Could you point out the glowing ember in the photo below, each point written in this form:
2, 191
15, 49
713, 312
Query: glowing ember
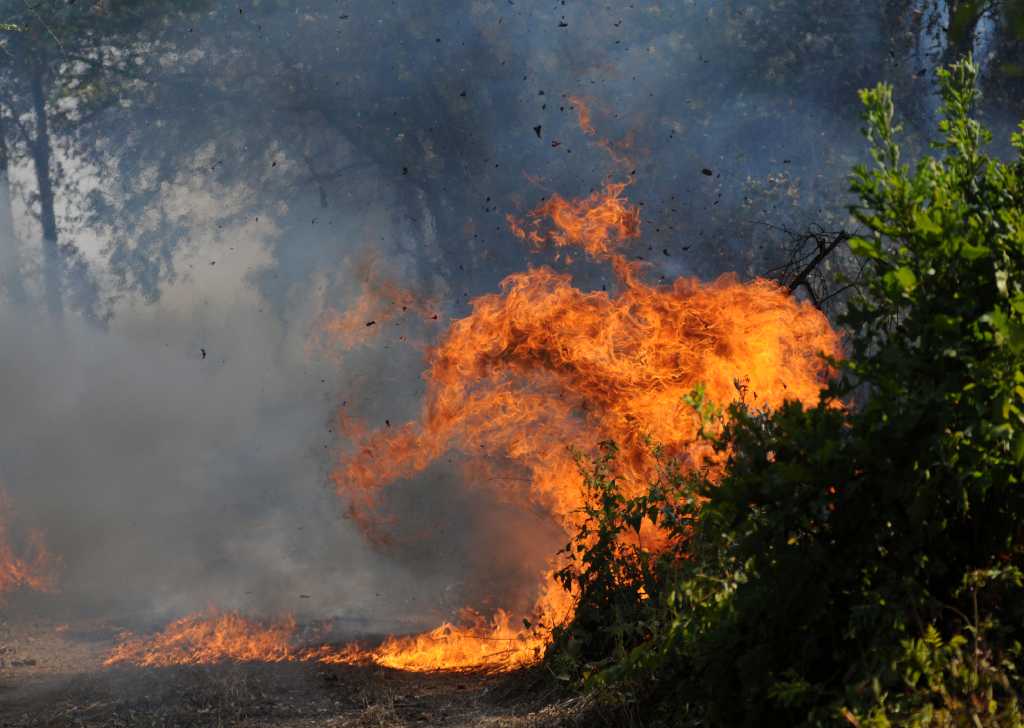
35, 568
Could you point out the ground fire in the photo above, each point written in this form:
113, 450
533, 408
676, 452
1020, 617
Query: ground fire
532, 371
30, 567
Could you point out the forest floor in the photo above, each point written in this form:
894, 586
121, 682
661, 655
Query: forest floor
53, 675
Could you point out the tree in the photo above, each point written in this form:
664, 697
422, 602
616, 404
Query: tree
63, 63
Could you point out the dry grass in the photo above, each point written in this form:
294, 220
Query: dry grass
54, 677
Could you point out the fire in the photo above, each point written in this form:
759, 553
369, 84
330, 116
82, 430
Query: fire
536, 371
543, 365
35, 568
583, 115
598, 223
381, 301
214, 637
209, 638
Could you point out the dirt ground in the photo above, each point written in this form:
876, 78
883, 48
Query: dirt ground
52, 675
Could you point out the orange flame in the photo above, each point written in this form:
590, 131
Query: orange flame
382, 300
35, 569
583, 115
543, 365
205, 639
533, 370
597, 223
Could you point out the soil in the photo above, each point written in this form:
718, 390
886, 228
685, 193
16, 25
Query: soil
53, 675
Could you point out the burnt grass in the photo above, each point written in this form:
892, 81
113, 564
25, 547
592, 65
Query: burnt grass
52, 675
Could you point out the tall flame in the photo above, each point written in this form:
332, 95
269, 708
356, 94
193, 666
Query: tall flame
543, 365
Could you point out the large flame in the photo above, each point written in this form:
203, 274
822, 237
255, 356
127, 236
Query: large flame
532, 371
31, 567
542, 366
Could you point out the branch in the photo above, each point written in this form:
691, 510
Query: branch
823, 252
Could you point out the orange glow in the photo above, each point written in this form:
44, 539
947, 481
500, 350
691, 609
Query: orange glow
381, 301
35, 568
583, 115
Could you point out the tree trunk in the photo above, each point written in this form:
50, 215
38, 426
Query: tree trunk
10, 266
47, 215
963, 22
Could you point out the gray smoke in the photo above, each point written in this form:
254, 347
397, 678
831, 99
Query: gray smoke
224, 217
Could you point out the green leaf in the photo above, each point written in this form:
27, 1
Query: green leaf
865, 248
973, 252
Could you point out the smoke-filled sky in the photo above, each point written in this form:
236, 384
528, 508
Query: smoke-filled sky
280, 159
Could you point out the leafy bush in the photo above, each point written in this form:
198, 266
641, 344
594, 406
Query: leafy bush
856, 564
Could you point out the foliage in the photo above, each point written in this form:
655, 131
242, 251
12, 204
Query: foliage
858, 562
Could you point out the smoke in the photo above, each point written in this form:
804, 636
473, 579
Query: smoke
170, 480
177, 461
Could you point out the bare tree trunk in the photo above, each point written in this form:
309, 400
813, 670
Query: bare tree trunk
963, 22
47, 215
10, 264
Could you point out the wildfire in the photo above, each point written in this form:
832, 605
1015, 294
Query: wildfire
534, 370
213, 637
598, 223
35, 568
543, 365
209, 638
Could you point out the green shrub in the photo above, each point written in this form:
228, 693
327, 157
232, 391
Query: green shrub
856, 564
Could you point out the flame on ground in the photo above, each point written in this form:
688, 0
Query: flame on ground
209, 638
32, 567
